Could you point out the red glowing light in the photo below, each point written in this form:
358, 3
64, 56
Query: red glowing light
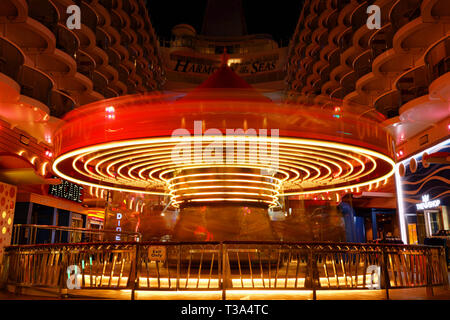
139, 142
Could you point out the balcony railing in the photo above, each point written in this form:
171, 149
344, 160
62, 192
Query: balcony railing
113, 57
88, 16
109, 4
266, 77
109, 93
381, 40
131, 86
33, 234
403, 12
208, 46
127, 7
123, 73
224, 266
389, 104
362, 65
100, 83
437, 59
11, 59
413, 84
103, 40
85, 64
66, 40
60, 104
116, 21
35, 84
44, 12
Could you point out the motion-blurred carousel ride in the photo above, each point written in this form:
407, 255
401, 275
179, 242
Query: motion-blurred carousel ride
222, 157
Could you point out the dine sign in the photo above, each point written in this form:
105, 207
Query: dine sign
157, 253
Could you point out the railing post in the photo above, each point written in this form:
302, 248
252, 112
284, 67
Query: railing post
429, 289
386, 280
62, 273
224, 271
443, 264
134, 270
311, 274
178, 266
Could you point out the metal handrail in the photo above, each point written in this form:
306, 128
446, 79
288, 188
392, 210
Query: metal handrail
32, 229
222, 266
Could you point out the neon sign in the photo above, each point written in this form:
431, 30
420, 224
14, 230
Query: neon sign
119, 228
427, 204
67, 190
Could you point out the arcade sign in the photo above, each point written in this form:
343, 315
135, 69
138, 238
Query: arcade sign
66, 190
427, 204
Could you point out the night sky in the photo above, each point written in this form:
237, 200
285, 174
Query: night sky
277, 18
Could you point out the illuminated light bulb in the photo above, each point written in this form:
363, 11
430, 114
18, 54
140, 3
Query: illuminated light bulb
44, 170
131, 203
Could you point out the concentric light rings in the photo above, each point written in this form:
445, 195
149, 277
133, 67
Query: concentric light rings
304, 166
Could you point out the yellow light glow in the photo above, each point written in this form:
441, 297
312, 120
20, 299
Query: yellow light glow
233, 61
44, 167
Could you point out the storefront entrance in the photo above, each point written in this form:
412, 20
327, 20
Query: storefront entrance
429, 222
